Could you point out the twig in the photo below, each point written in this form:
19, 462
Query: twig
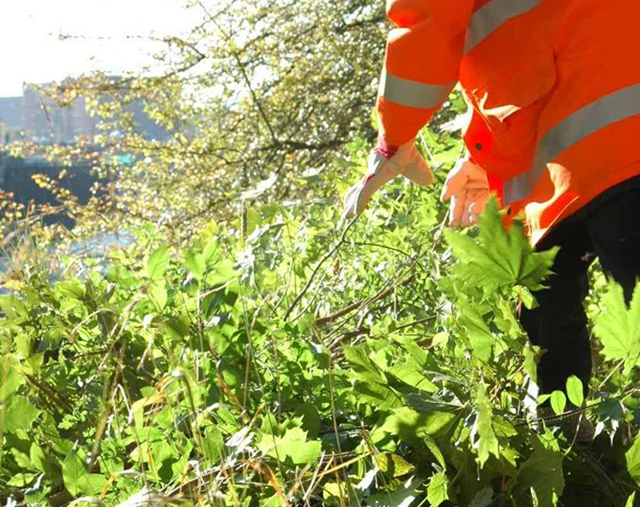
324, 259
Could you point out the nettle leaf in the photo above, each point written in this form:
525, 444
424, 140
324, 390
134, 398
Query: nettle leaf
437, 491
633, 460
618, 327
498, 258
158, 263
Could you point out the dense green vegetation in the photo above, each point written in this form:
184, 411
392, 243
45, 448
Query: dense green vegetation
250, 349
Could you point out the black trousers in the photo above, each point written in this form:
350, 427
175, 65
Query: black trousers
607, 228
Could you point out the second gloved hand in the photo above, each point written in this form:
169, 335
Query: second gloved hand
406, 161
468, 189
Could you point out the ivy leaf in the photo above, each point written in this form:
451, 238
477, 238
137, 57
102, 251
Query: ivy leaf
158, 263
498, 258
575, 391
618, 328
437, 491
633, 460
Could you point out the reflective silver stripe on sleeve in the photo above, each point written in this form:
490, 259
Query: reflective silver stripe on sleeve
491, 16
612, 108
412, 93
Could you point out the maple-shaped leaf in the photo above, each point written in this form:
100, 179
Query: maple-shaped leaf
498, 258
483, 434
618, 326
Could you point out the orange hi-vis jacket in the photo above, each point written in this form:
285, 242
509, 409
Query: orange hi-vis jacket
554, 87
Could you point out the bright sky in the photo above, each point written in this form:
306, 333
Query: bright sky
31, 51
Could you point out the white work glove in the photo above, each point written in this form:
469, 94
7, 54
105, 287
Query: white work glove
407, 162
468, 188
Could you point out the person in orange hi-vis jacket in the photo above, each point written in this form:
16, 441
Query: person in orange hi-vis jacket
554, 91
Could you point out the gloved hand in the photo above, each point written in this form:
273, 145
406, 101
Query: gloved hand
468, 188
406, 161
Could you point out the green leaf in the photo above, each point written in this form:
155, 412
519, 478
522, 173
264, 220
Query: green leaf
437, 491
558, 402
498, 258
76, 478
633, 460
71, 289
402, 497
36, 456
618, 328
158, 263
393, 465
480, 337
22, 480
20, 414
158, 294
482, 498
196, 264
10, 378
487, 442
371, 383
311, 421
73, 473
631, 500
542, 472
292, 447
213, 444
575, 391
413, 426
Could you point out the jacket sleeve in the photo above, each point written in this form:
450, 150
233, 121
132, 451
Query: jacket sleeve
421, 63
